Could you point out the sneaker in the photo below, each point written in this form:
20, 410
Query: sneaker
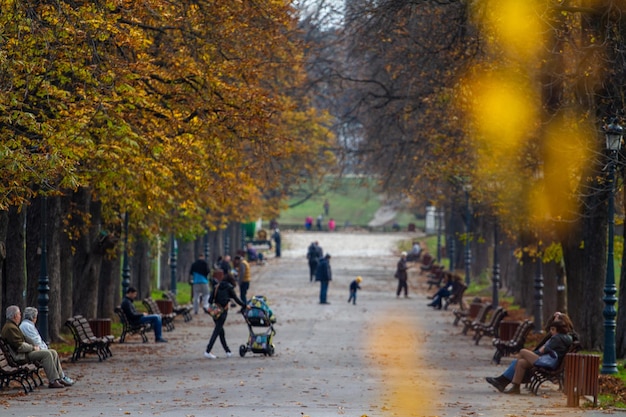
209, 355
67, 381
160, 340
229, 354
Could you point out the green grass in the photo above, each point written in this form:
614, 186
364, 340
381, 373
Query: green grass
351, 200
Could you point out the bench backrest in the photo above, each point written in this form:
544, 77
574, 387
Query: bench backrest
497, 317
481, 317
122, 317
151, 305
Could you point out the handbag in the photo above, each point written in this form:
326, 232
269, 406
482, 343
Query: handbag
548, 360
215, 310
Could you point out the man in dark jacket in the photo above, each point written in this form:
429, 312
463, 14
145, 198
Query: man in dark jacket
199, 276
324, 275
135, 317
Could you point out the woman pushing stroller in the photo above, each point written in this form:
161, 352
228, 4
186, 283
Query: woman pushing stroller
223, 292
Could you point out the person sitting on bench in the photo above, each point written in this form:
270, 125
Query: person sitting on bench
451, 286
134, 317
24, 352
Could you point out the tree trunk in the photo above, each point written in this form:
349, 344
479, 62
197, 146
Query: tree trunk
4, 227
56, 297
140, 265
620, 331
66, 260
110, 287
88, 256
585, 268
15, 267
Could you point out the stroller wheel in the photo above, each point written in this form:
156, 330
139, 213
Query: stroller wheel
242, 350
271, 350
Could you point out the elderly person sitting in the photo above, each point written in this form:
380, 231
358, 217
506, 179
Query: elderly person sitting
32, 336
23, 351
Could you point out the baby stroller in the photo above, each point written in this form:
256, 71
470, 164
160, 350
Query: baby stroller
260, 316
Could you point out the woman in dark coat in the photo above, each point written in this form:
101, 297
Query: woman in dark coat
223, 292
402, 276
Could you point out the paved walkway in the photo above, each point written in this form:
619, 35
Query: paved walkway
382, 357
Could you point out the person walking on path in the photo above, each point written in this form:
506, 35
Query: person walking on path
354, 287
402, 276
276, 237
314, 254
134, 317
199, 273
324, 275
243, 277
23, 351
223, 292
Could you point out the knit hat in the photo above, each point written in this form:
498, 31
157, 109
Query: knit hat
359, 279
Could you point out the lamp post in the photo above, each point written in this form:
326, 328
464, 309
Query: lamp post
173, 263
125, 267
538, 319
451, 240
495, 278
44, 288
613, 134
439, 224
468, 252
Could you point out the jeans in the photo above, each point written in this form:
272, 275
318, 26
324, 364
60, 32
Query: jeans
510, 371
243, 291
323, 291
352, 297
219, 331
155, 321
200, 290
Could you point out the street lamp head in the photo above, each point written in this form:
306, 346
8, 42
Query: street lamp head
467, 187
613, 133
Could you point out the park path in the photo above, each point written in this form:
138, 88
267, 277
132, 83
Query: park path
383, 357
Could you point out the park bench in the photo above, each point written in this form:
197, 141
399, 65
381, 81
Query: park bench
85, 341
427, 262
455, 298
182, 310
492, 328
513, 345
480, 318
436, 276
128, 328
27, 374
153, 308
462, 313
536, 376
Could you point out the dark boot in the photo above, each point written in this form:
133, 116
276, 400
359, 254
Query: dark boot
499, 383
513, 390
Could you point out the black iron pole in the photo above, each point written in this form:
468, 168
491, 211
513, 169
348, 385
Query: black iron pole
125, 267
173, 263
496, 267
609, 364
538, 292
44, 288
468, 250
